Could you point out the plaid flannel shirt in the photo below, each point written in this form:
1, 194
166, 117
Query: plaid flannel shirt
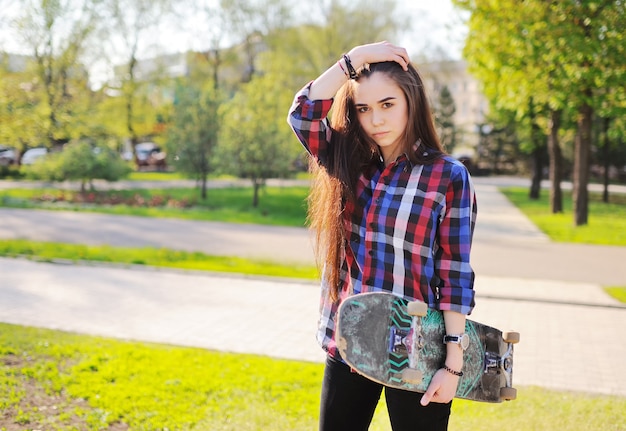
409, 231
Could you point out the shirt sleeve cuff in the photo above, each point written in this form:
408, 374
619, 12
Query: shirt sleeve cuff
313, 109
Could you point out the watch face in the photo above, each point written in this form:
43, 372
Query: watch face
465, 341
462, 340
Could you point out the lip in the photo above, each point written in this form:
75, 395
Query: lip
379, 134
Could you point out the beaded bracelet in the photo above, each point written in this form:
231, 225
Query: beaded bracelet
451, 371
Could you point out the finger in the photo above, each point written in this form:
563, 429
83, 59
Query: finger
428, 395
402, 58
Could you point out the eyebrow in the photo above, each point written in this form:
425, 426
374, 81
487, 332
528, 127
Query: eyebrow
386, 99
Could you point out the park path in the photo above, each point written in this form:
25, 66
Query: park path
570, 329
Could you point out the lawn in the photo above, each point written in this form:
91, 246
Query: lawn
607, 221
161, 257
56, 380
281, 206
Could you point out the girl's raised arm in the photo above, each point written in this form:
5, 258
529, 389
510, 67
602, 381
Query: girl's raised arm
329, 82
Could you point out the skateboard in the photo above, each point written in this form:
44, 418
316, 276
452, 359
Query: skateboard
399, 343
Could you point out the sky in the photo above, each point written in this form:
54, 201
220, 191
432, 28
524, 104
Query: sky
438, 19
439, 24
434, 26
444, 26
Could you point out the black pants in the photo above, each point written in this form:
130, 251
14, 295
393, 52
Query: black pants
349, 400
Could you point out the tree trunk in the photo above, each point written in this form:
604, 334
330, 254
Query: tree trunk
536, 156
537, 173
607, 162
556, 163
216, 67
255, 198
582, 148
204, 186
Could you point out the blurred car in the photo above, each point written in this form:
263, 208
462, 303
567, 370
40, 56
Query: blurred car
7, 155
149, 154
31, 156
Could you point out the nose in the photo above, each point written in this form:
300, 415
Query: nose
377, 117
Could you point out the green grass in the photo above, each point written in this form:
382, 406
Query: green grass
155, 176
62, 381
153, 257
607, 221
147, 386
281, 206
617, 292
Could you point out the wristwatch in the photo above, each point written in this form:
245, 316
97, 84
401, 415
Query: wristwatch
462, 340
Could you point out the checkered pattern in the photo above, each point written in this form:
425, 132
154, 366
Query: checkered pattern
410, 230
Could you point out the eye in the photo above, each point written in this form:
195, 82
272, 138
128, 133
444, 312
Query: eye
387, 105
362, 109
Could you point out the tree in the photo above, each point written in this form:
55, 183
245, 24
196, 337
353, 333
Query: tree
192, 136
561, 54
81, 161
256, 142
497, 46
19, 108
216, 29
135, 22
56, 33
444, 114
336, 29
251, 23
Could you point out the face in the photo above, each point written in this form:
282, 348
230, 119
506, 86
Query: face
382, 112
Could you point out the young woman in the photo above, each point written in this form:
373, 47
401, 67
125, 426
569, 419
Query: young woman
392, 212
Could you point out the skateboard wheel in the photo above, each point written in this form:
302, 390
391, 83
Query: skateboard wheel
508, 394
510, 337
417, 308
412, 376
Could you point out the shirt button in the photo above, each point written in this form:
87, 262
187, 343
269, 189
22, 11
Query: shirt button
371, 252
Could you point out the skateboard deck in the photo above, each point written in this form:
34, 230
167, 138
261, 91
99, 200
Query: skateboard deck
379, 339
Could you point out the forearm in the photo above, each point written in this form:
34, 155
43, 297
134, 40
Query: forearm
329, 82
455, 325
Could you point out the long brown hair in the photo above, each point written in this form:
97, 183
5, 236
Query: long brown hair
351, 151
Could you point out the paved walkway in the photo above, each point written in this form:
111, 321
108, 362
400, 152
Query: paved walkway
571, 332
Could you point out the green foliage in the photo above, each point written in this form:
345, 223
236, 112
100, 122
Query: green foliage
444, 115
256, 142
82, 162
192, 136
565, 57
60, 80
608, 226
22, 124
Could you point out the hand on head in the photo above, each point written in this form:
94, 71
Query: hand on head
379, 52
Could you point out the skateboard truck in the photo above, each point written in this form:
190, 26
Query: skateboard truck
504, 364
410, 341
